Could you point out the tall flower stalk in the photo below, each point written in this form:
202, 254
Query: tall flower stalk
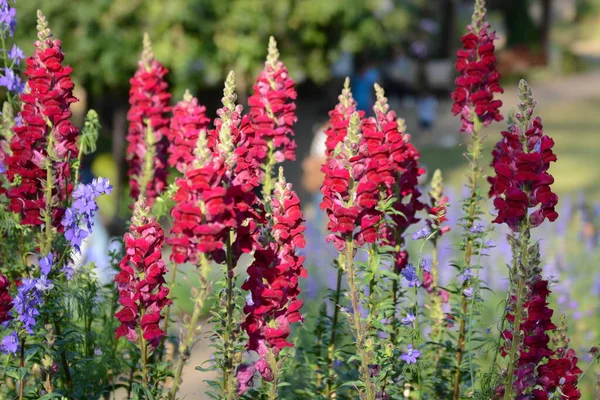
524, 200
343, 201
142, 288
148, 127
272, 114
44, 145
474, 101
339, 119
273, 282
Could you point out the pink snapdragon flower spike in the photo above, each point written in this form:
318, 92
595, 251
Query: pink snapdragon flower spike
141, 283
272, 107
148, 127
478, 79
273, 278
45, 138
189, 118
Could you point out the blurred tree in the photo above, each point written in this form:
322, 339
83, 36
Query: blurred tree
200, 40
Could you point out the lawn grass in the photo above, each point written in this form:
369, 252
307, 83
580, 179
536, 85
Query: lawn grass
575, 128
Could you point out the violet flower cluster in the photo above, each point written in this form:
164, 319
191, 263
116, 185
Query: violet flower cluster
8, 21
30, 293
79, 218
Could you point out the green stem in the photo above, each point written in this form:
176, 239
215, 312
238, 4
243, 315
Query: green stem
358, 325
172, 281
144, 353
332, 339
229, 339
22, 365
474, 200
185, 347
521, 276
268, 172
470, 331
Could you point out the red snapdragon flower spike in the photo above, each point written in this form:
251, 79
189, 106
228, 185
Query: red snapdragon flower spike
149, 107
397, 167
339, 118
141, 283
533, 376
273, 277
202, 215
5, 299
45, 136
272, 107
521, 160
478, 77
189, 118
216, 192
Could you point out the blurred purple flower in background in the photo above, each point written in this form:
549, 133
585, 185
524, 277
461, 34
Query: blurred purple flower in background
16, 54
8, 17
408, 319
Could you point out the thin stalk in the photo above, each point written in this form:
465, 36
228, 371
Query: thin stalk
172, 280
358, 326
22, 364
63, 359
470, 331
274, 365
144, 353
186, 346
474, 178
333, 337
523, 256
228, 339
268, 171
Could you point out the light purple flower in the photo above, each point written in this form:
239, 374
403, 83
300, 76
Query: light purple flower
78, 220
411, 355
466, 275
46, 264
11, 81
8, 17
408, 319
410, 274
468, 292
2, 168
422, 233
10, 343
26, 301
16, 54
477, 228
596, 286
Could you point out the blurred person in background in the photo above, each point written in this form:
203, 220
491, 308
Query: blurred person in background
366, 74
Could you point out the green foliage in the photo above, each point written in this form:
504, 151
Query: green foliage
200, 40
